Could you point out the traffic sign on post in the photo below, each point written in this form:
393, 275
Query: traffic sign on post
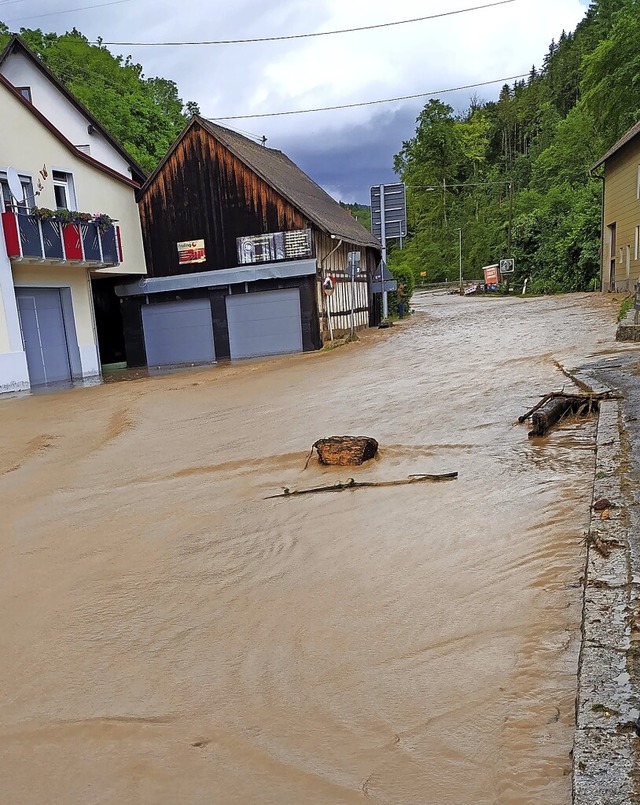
389, 211
388, 220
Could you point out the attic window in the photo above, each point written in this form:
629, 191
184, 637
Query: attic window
25, 92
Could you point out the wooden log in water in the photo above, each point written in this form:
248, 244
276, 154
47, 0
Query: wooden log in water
551, 412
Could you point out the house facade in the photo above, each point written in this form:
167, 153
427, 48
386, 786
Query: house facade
246, 256
51, 258
620, 264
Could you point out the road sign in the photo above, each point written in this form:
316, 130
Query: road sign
389, 211
353, 263
383, 280
507, 266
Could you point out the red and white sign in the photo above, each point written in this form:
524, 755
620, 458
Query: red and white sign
191, 251
491, 275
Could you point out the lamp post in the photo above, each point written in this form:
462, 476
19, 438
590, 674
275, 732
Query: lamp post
460, 255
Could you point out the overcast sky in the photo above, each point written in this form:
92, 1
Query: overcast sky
347, 150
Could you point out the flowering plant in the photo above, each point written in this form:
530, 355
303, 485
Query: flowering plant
64, 216
102, 221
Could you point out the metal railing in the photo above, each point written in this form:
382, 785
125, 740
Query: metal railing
31, 238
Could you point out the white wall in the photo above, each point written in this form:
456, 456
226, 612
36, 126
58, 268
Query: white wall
27, 145
14, 375
48, 99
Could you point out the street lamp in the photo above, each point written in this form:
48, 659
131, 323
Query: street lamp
460, 255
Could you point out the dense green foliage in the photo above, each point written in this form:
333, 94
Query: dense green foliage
360, 212
144, 114
514, 174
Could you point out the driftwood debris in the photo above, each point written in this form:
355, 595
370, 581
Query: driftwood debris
557, 405
345, 450
351, 483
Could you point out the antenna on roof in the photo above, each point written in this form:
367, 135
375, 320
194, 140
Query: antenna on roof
15, 185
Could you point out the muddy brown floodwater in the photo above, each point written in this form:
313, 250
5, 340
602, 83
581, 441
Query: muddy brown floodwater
169, 636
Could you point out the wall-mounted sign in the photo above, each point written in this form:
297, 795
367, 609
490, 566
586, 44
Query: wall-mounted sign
507, 266
191, 251
275, 246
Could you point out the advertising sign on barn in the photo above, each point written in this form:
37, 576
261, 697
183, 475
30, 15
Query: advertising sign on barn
291, 245
191, 251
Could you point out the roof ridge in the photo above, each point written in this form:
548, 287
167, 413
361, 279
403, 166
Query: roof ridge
16, 40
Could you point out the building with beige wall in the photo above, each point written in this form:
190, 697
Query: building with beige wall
50, 256
620, 267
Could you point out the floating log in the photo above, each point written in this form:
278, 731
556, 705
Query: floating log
556, 408
351, 483
346, 450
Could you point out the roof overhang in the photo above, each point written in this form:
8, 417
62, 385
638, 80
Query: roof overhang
220, 278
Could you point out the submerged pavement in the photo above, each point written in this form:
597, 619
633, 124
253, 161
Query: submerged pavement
607, 746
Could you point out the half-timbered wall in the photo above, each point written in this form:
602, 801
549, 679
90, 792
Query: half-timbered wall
332, 261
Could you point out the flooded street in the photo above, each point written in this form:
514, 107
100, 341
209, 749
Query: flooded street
169, 636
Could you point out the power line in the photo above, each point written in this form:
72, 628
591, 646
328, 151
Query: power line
67, 11
308, 36
372, 103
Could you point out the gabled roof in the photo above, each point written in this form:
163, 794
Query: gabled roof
287, 179
4, 83
16, 44
626, 138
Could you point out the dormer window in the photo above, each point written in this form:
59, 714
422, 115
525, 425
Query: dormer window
25, 92
64, 190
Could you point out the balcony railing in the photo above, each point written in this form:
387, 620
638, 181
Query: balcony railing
31, 239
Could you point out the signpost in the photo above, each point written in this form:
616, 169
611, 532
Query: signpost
388, 220
353, 268
507, 266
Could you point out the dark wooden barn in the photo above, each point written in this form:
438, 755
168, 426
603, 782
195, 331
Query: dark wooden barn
246, 256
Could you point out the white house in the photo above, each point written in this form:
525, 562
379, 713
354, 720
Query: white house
55, 157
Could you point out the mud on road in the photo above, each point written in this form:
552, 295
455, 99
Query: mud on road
170, 636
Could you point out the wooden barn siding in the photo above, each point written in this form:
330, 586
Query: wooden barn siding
132, 314
203, 191
622, 207
335, 264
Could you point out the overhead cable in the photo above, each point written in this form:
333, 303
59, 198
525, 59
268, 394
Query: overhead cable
66, 11
371, 103
309, 35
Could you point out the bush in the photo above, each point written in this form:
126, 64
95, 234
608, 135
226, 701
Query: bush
402, 274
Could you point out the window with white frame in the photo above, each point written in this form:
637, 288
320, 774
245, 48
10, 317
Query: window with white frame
8, 203
64, 190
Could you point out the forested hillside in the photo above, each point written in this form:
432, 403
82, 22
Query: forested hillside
541, 137
144, 114
512, 174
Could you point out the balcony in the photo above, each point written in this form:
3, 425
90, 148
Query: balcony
33, 240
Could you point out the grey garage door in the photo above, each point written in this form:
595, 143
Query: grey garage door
178, 332
265, 323
44, 335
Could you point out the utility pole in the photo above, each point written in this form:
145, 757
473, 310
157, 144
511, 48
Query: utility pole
460, 255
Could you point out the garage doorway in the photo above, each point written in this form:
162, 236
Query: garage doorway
265, 323
178, 333
44, 335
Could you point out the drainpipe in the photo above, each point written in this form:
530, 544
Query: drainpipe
322, 269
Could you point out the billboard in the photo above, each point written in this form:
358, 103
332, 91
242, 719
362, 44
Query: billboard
491, 274
273, 246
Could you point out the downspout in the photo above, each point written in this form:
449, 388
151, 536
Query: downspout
602, 247
322, 270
